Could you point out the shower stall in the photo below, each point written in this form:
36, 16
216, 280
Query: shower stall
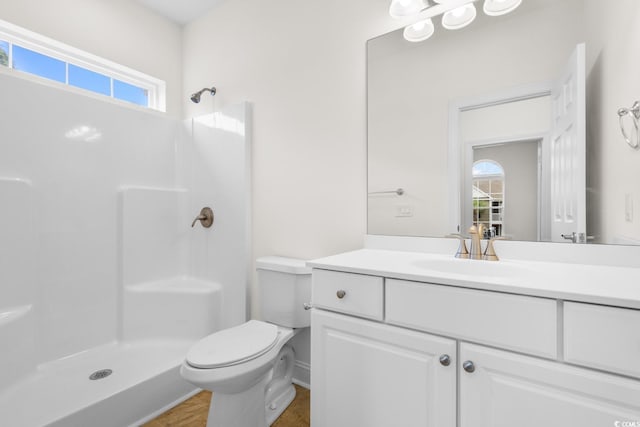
104, 284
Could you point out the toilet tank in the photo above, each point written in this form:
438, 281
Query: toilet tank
285, 285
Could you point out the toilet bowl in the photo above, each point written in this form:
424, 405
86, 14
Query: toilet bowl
249, 368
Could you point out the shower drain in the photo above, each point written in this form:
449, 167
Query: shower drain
102, 373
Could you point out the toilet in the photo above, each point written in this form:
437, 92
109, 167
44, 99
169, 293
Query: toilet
249, 367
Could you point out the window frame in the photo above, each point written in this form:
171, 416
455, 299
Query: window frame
15, 35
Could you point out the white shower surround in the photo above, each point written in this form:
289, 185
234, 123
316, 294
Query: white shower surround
99, 267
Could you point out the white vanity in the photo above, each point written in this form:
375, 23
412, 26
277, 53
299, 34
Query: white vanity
419, 338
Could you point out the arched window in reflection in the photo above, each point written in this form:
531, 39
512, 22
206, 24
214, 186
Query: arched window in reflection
488, 196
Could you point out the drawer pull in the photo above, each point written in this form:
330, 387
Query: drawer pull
468, 366
340, 294
445, 360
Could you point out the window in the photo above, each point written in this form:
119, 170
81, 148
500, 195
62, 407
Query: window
31, 53
90, 80
131, 93
36, 63
488, 195
4, 53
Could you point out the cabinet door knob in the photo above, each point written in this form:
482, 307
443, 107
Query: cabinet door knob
445, 360
340, 294
469, 366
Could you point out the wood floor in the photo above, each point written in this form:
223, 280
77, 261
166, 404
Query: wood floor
193, 412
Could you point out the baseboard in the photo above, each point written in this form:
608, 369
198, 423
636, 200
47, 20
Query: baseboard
302, 374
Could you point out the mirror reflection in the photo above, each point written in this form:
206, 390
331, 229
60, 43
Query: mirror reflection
468, 125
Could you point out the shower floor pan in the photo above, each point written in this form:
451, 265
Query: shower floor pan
144, 382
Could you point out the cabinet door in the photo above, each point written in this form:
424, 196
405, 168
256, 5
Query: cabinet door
370, 374
507, 390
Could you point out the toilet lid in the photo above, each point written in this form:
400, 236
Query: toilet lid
233, 345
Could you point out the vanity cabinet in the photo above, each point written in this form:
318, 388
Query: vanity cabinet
389, 352
371, 374
507, 389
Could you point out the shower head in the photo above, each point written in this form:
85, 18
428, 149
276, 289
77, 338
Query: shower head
196, 96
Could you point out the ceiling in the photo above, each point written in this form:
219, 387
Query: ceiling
180, 11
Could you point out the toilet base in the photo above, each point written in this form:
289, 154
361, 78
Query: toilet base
280, 391
279, 404
245, 409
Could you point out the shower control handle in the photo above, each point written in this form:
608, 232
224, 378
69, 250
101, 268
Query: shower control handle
341, 294
198, 218
205, 218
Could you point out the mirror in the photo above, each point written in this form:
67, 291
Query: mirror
438, 107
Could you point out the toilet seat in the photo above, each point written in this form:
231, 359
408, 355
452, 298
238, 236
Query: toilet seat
234, 345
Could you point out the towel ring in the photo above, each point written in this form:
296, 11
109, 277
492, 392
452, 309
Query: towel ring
634, 112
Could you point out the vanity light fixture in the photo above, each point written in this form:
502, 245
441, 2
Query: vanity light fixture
500, 7
459, 17
419, 31
404, 8
456, 14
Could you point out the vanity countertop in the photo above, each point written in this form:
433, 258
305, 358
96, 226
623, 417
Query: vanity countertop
598, 284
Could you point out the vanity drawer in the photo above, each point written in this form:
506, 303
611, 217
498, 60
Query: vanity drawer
356, 294
515, 322
602, 337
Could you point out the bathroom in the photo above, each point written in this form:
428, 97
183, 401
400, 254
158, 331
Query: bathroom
298, 74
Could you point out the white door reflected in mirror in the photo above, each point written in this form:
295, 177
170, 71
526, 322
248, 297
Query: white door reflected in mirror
537, 136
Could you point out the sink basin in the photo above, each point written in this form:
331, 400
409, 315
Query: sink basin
472, 268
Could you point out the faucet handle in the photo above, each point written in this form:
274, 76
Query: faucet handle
490, 252
462, 252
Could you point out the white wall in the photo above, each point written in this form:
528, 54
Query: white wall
508, 120
302, 66
122, 31
612, 82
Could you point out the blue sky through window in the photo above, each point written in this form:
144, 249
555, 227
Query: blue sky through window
30, 53
86, 79
45, 66
130, 93
41, 65
487, 168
